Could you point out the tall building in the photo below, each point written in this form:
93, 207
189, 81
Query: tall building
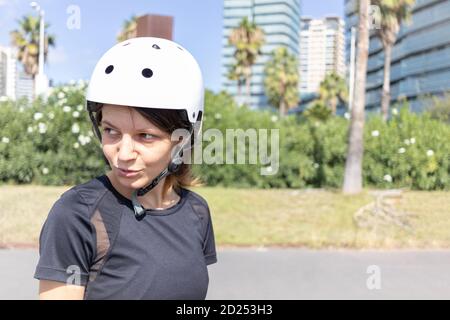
24, 86
280, 21
151, 25
14, 83
3, 70
322, 46
420, 58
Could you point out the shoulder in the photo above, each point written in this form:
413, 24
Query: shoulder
194, 197
78, 202
198, 203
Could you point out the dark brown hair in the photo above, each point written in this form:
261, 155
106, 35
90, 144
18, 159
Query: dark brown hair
167, 120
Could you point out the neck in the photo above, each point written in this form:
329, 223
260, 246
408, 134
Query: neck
157, 198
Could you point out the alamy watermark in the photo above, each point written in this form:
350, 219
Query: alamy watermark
373, 282
236, 146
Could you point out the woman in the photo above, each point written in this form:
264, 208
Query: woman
135, 232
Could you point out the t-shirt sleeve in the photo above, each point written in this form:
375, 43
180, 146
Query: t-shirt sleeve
66, 242
209, 245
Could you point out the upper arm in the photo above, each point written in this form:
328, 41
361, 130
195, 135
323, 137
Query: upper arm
54, 290
66, 246
209, 243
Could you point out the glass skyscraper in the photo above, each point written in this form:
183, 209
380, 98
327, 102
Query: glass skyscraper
420, 58
280, 21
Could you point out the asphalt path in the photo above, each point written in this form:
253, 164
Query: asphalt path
289, 273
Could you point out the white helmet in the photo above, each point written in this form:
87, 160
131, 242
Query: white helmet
148, 72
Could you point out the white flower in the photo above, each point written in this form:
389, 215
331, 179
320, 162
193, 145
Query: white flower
375, 133
406, 141
315, 165
30, 129
67, 109
430, 152
80, 107
412, 140
274, 118
394, 111
269, 169
45, 170
42, 127
61, 95
72, 82
90, 134
401, 150
38, 116
84, 139
347, 115
387, 178
21, 109
51, 115
62, 102
75, 128
75, 114
76, 145
217, 116
5, 139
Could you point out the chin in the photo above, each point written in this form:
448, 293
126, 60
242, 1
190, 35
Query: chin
132, 182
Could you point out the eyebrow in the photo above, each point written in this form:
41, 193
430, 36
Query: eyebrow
115, 127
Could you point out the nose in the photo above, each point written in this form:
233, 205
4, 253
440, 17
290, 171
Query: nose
126, 150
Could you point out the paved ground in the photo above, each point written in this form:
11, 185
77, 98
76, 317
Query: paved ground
288, 274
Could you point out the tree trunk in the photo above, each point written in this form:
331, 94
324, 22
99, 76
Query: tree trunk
247, 85
239, 91
282, 108
33, 77
353, 164
333, 103
386, 93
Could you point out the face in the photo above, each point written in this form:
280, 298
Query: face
132, 142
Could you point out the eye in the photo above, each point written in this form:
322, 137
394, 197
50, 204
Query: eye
148, 136
109, 130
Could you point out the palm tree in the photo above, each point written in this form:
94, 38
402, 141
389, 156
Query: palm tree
392, 15
317, 110
281, 80
353, 164
248, 39
26, 40
333, 88
128, 29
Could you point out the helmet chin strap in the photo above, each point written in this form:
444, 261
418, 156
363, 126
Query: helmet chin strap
139, 211
174, 166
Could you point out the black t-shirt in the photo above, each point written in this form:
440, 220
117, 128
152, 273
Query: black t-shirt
92, 238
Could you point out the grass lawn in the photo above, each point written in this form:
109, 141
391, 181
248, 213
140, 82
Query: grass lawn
312, 218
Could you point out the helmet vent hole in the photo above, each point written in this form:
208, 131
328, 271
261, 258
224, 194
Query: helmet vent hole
126, 44
155, 46
193, 114
180, 48
147, 73
109, 69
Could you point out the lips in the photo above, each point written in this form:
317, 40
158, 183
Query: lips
128, 173
125, 170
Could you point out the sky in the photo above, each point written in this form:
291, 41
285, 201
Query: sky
197, 27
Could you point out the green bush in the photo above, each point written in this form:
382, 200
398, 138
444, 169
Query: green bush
49, 144
53, 144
